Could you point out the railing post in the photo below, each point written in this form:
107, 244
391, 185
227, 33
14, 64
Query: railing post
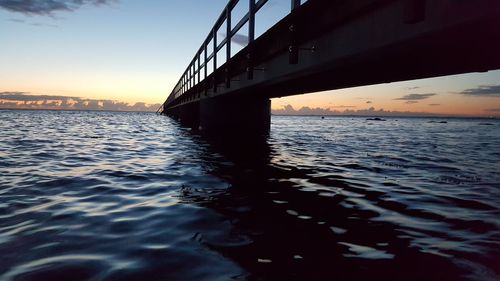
199, 72
199, 67
214, 37
205, 68
251, 21
251, 37
193, 69
228, 34
190, 75
228, 45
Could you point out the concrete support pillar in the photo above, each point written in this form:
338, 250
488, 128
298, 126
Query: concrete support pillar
235, 115
188, 115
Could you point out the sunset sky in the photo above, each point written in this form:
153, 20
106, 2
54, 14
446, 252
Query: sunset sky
129, 51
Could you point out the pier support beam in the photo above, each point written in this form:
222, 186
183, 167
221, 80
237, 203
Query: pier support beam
188, 115
235, 115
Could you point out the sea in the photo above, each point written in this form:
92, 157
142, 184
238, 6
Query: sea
136, 196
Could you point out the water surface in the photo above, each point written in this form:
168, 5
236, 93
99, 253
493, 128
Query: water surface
134, 196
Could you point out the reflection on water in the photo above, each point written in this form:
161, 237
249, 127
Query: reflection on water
132, 196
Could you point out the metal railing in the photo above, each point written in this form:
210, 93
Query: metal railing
193, 75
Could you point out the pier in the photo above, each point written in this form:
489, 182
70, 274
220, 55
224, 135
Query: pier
326, 45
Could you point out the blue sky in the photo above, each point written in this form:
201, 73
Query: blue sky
135, 51
142, 45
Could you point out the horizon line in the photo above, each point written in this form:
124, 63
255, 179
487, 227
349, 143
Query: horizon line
410, 113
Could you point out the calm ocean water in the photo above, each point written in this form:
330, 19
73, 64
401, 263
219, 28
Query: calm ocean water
134, 196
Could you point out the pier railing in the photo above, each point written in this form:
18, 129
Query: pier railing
197, 70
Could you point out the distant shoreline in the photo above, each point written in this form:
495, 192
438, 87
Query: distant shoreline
416, 115
73, 110
391, 116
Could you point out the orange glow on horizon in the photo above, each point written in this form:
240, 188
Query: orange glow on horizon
440, 95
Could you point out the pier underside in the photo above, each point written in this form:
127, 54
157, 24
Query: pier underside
235, 114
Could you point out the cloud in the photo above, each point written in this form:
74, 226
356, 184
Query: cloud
240, 39
483, 91
413, 88
289, 110
434, 104
23, 96
23, 100
21, 21
411, 102
492, 109
47, 7
42, 24
369, 102
414, 97
344, 106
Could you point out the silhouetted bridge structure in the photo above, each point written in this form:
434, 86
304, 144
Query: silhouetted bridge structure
330, 44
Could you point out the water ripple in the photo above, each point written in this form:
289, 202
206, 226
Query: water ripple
133, 196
